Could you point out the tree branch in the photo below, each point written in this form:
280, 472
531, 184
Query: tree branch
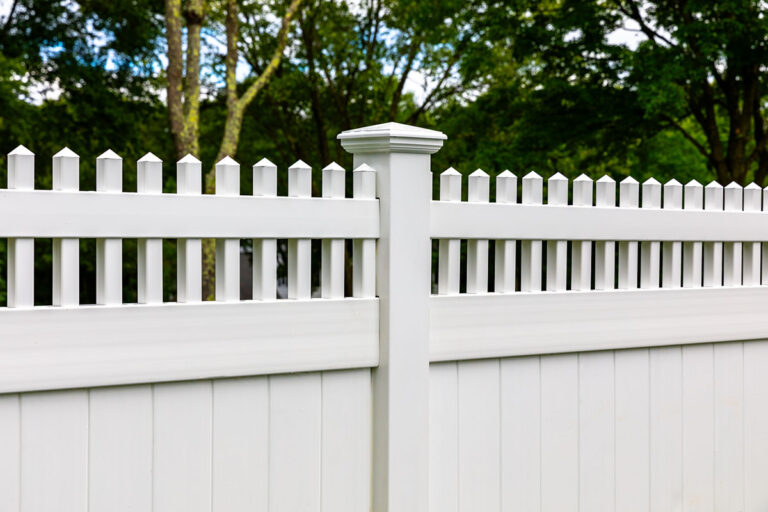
687, 135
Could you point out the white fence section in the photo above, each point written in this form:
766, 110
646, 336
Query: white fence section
579, 354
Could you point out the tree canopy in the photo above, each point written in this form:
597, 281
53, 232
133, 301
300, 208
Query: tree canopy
663, 88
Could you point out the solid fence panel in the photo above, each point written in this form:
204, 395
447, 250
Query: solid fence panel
189, 252
332, 272
605, 259
299, 250
66, 251
530, 250
264, 249
109, 251
21, 251
478, 191
505, 250
692, 251
149, 180
557, 250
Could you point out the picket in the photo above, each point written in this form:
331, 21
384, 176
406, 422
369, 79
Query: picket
189, 255
299, 250
732, 253
530, 250
629, 192
227, 249
150, 251
21, 251
264, 249
581, 266
505, 250
109, 251
605, 264
692, 251
650, 252
478, 190
557, 250
713, 251
66, 251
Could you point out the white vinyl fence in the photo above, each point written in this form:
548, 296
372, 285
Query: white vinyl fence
595, 356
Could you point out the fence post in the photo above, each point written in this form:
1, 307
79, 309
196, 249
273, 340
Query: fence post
400, 155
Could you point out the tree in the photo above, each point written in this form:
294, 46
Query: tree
698, 60
184, 86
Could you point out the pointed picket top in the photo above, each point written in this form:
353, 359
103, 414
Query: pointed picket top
629, 193
533, 175
557, 191
605, 192
299, 164
109, 155
752, 198
264, 162
673, 194
694, 195
227, 160
582, 190
66, 153
733, 196
364, 168
333, 166
713, 185
448, 172
364, 182
450, 185
651, 193
478, 187
506, 187
189, 159
21, 150
149, 157
532, 188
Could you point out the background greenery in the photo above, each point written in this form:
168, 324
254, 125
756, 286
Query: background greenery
664, 89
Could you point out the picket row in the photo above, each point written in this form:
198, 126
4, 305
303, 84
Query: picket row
109, 215
697, 237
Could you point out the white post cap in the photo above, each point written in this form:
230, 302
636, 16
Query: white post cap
392, 138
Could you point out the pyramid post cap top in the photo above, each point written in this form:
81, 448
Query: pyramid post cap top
264, 162
364, 168
714, 184
188, 159
693, 183
651, 182
66, 153
533, 175
606, 179
753, 186
583, 177
450, 172
149, 157
299, 164
733, 185
673, 183
479, 173
557, 177
392, 138
109, 155
629, 180
506, 173
333, 166
21, 150
227, 160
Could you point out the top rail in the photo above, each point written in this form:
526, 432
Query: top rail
549, 222
54, 214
